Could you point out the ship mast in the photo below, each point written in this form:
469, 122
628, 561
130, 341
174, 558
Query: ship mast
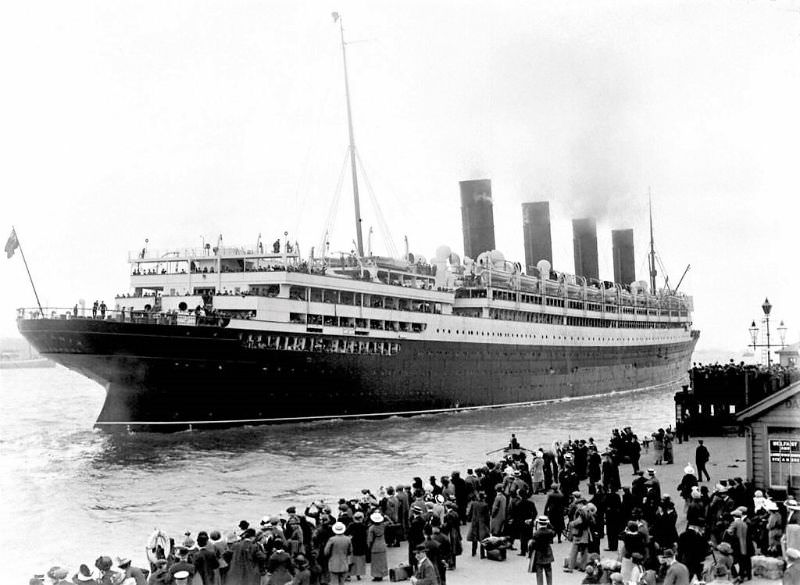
356, 204
652, 257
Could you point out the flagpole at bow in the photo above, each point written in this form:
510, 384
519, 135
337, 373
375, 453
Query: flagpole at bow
11, 245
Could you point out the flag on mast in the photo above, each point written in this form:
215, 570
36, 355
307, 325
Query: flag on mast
12, 243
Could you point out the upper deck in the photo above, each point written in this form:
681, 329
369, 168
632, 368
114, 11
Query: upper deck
440, 287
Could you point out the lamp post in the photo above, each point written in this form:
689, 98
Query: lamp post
766, 307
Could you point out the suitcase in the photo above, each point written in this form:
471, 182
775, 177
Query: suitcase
496, 554
401, 572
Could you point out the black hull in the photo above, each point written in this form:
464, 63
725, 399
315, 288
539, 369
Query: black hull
166, 378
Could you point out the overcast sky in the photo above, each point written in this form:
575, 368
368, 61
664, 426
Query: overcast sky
180, 121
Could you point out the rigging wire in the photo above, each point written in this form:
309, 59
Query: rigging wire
391, 248
334, 208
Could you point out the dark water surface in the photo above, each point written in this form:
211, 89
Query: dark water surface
70, 493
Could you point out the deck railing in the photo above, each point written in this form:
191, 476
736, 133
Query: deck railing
126, 316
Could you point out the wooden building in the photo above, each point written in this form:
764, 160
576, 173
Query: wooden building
773, 441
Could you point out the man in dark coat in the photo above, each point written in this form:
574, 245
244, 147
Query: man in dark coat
247, 561
594, 466
693, 549
425, 573
568, 479
540, 551
701, 457
434, 552
550, 467
555, 509
403, 510
479, 522
461, 492
205, 561
416, 532
639, 489
610, 473
615, 521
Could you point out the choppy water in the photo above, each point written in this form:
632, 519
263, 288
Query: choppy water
69, 493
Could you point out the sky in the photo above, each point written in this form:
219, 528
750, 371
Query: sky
178, 122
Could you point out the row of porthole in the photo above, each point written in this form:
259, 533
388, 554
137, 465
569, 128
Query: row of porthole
528, 335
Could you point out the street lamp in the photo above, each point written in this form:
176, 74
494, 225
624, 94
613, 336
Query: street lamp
782, 333
766, 306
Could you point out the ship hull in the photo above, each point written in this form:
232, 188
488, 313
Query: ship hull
167, 378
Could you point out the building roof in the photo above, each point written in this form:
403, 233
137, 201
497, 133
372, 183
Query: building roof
769, 402
791, 348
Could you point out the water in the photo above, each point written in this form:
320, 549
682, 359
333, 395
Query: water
70, 493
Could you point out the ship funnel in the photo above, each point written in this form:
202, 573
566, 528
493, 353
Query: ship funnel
624, 258
584, 235
536, 233
477, 217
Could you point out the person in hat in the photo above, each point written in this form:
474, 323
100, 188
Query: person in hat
677, 572
425, 573
791, 537
688, 482
182, 564
338, 551
774, 528
540, 551
205, 561
247, 559
701, 457
478, 512
131, 572
84, 576
357, 531
376, 544
160, 573
243, 525
723, 557
743, 550
58, 575
791, 576
498, 515
302, 575
633, 541
693, 548
280, 565
107, 574
555, 508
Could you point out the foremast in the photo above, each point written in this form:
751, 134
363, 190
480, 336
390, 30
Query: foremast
352, 148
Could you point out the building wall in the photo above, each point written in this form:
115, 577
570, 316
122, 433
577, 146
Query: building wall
780, 422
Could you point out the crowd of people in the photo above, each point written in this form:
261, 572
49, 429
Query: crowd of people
492, 507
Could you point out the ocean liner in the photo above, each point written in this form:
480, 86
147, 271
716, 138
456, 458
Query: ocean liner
229, 336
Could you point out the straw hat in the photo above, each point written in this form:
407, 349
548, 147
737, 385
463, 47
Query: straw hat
376, 517
688, 469
338, 528
83, 575
57, 573
791, 504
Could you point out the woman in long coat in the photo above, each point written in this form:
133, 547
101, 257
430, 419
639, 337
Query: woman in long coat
537, 473
376, 543
478, 513
357, 532
498, 512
